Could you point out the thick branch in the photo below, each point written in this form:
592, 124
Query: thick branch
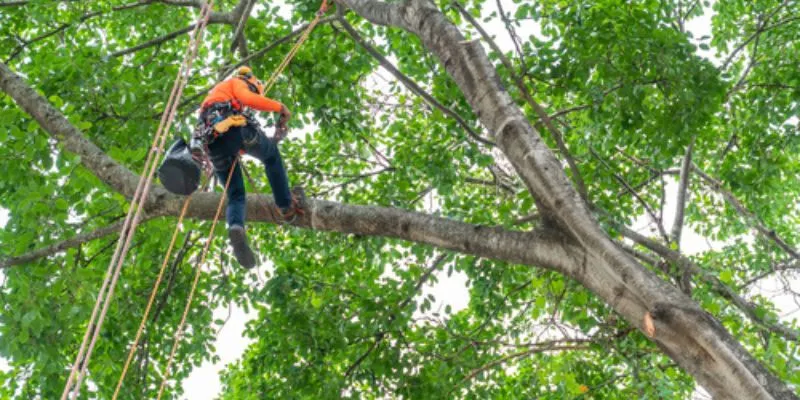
555, 132
712, 355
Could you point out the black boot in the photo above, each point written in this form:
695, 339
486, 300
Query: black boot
241, 249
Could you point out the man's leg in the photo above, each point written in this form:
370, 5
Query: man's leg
267, 152
235, 212
236, 209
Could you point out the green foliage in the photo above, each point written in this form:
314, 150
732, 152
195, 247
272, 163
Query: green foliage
340, 316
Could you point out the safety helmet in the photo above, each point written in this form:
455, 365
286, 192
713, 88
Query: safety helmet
246, 73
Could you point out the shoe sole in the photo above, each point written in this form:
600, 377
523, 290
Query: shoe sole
244, 255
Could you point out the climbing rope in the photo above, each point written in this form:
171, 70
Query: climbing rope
80, 367
278, 71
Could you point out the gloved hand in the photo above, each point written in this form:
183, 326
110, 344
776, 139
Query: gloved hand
283, 120
282, 127
280, 134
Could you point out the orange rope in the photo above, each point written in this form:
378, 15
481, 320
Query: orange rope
80, 366
179, 332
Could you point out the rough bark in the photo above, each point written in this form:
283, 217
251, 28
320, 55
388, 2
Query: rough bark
693, 338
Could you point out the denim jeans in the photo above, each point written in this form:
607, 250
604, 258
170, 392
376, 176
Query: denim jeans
223, 152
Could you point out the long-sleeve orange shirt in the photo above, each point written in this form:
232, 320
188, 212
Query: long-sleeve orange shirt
236, 88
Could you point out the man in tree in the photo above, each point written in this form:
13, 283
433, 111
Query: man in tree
229, 131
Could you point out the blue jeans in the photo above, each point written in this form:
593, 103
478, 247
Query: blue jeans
223, 152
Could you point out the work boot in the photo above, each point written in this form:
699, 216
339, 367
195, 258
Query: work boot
298, 206
244, 255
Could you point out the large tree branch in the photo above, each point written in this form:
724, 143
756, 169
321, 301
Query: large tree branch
554, 131
748, 216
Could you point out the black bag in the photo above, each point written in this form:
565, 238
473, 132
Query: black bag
179, 173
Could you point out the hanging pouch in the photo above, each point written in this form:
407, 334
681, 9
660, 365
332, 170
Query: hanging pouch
179, 173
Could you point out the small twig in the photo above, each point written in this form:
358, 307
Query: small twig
410, 84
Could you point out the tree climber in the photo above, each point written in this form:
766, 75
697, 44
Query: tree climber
226, 129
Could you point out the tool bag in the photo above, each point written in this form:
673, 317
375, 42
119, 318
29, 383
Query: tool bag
179, 172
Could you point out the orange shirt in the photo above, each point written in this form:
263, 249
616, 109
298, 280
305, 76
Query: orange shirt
236, 88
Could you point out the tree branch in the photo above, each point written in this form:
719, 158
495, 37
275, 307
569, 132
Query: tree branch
718, 286
555, 132
630, 190
243, 11
683, 188
748, 216
535, 350
775, 269
154, 42
61, 246
410, 84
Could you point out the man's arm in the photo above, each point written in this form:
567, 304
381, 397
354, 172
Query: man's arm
255, 101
